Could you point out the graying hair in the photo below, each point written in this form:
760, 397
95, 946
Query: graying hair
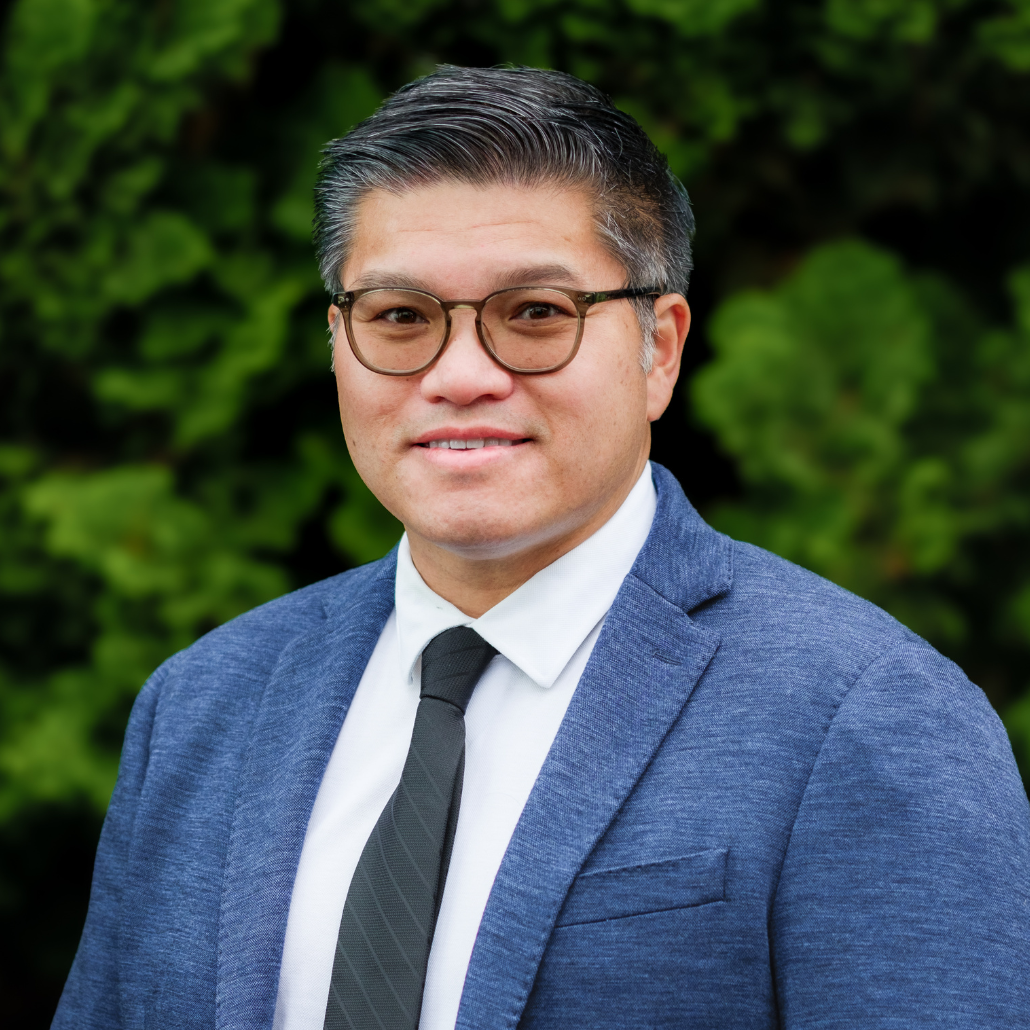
522, 127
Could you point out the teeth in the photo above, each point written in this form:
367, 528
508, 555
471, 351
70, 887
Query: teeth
463, 445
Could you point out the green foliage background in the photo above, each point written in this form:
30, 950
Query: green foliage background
169, 452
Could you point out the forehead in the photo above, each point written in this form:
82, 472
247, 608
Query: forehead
453, 236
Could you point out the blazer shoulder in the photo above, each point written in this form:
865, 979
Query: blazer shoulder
781, 628
787, 633
250, 645
834, 674
771, 592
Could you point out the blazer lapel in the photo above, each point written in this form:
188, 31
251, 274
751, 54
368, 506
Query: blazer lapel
647, 661
295, 729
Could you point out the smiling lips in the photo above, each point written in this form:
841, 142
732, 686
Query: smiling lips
468, 445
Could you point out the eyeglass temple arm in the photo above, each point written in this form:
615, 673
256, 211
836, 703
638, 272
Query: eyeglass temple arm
601, 296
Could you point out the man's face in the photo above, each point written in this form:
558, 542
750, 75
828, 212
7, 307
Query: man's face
579, 437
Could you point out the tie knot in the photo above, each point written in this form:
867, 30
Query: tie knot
452, 663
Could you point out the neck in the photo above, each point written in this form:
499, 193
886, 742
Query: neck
475, 585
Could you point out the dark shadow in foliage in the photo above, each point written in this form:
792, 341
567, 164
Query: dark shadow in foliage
46, 863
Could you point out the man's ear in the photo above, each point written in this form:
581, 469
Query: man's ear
334, 325
673, 319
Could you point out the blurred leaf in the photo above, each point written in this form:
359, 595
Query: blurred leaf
874, 453
695, 17
340, 97
1008, 37
910, 20
202, 30
165, 250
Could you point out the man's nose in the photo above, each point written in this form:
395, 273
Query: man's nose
465, 372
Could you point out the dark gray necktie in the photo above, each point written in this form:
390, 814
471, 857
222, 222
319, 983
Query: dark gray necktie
388, 919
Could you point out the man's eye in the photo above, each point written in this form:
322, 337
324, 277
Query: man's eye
534, 312
400, 316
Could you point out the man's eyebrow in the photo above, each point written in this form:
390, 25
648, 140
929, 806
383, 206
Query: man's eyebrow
379, 278
538, 275
530, 275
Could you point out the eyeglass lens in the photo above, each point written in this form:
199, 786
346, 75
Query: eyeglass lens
530, 329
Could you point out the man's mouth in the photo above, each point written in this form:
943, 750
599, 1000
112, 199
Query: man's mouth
469, 445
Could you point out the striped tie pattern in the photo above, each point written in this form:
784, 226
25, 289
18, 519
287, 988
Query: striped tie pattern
379, 971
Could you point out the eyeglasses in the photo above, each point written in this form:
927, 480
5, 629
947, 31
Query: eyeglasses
529, 330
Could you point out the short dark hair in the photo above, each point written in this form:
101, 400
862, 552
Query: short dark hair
523, 126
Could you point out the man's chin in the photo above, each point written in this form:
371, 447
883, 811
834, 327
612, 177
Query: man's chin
482, 538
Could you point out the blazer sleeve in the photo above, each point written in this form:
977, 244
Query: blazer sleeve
904, 896
91, 996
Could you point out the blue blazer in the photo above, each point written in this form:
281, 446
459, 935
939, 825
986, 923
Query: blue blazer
769, 805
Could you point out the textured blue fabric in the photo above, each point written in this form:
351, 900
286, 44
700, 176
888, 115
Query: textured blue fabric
769, 805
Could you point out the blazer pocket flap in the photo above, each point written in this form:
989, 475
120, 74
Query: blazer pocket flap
654, 887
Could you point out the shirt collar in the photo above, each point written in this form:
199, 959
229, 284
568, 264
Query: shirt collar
541, 625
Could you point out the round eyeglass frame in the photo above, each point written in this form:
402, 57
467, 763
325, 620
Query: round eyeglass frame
582, 300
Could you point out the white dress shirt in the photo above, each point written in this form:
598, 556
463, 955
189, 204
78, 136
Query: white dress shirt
544, 633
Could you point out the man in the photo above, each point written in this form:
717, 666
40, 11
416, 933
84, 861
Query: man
567, 757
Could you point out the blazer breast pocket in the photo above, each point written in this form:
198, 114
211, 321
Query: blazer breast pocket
696, 879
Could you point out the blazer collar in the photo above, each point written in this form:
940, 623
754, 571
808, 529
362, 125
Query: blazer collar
644, 667
683, 559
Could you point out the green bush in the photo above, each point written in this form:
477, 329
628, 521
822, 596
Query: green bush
169, 449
